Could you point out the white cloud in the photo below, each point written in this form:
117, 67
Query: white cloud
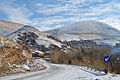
65, 11
49, 9
15, 12
79, 1
70, 8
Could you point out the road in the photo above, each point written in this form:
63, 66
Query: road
61, 72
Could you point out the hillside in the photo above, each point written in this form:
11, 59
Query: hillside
89, 27
85, 30
7, 27
42, 38
15, 58
12, 54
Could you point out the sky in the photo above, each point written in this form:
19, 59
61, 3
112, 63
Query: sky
50, 14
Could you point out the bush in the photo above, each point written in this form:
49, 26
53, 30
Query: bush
87, 56
114, 65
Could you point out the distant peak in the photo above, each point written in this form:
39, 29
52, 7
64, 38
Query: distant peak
4, 21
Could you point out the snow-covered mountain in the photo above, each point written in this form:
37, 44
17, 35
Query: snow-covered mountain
85, 30
42, 37
7, 27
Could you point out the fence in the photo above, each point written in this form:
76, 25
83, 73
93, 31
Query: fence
92, 68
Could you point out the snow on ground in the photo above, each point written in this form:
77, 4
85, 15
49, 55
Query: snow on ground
61, 72
110, 42
77, 73
115, 50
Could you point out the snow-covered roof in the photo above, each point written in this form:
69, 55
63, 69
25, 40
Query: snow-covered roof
39, 52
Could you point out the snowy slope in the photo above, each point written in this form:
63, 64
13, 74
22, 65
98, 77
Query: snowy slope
86, 30
90, 27
66, 37
110, 42
115, 50
62, 72
42, 37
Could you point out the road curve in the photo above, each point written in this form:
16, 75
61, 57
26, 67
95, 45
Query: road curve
61, 72
38, 75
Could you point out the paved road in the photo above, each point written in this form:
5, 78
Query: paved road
61, 72
39, 75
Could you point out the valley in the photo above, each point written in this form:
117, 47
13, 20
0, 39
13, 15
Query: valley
83, 43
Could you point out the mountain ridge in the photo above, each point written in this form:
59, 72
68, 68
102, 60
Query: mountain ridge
88, 28
42, 37
7, 27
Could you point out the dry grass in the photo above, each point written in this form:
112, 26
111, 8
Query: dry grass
86, 56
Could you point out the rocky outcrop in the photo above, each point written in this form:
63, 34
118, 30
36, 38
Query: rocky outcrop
15, 57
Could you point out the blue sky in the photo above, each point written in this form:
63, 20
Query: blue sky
49, 14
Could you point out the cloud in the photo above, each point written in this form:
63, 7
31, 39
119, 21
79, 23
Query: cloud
49, 9
62, 12
72, 7
15, 12
79, 1
70, 11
